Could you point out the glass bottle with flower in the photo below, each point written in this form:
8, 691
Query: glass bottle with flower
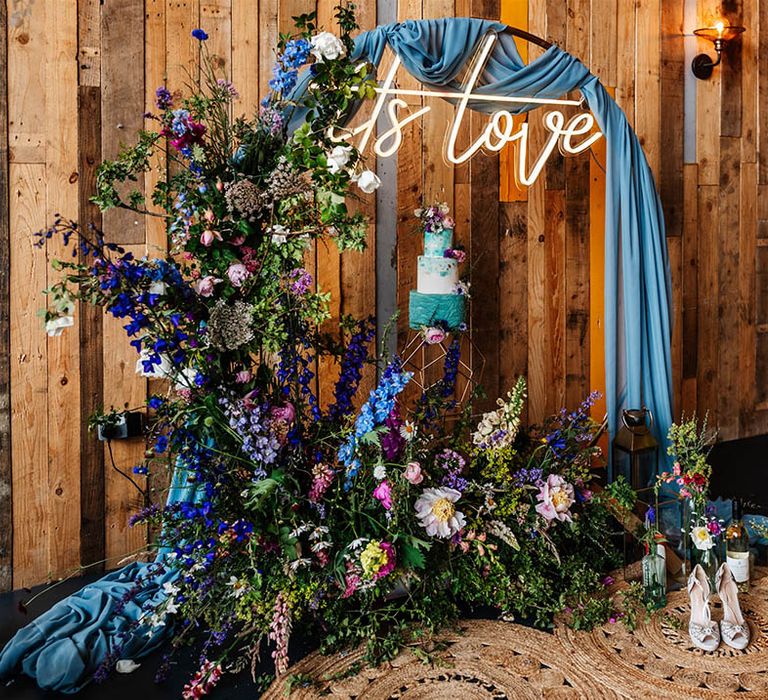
689, 445
654, 563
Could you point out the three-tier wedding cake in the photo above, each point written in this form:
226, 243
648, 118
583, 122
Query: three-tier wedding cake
439, 298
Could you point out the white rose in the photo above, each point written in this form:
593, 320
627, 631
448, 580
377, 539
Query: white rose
338, 158
326, 47
56, 326
368, 181
126, 666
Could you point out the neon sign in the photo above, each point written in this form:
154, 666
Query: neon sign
573, 136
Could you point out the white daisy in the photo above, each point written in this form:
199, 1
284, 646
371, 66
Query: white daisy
379, 472
238, 587
408, 430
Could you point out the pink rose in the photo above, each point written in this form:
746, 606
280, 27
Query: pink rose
243, 376
434, 335
383, 494
413, 474
237, 273
208, 236
205, 286
285, 413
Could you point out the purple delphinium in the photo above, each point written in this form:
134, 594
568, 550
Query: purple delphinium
251, 424
525, 476
392, 442
163, 98
300, 281
355, 355
453, 464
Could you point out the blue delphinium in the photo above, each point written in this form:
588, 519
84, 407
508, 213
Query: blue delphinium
351, 373
286, 70
374, 412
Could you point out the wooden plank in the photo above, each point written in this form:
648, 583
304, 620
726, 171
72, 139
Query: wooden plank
89, 42
728, 286
245, 56
647, 82
750, 85
154, 77
63, 352
268, 35
539, 348
597, 278
216, 20
625, 66
577, 279
604, 32
671, 100
513, 294
29, 376
91, 339
707, 352
747, 342
122, 104
6, 474
762, 92
708, 112
555, 293
731, 74
675, 251
123, 389
181, 49
689, 273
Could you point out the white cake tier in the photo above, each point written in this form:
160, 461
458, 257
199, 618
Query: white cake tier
436, 275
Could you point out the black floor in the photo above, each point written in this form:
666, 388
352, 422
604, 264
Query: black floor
137, 685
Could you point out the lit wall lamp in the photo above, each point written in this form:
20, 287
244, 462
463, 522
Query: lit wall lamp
721, 33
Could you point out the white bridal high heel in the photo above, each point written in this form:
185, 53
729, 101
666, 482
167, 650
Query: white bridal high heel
705, 634
734, 630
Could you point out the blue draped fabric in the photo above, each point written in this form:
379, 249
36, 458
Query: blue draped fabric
64, 646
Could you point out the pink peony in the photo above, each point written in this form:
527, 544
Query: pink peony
555, 499
383, 493
243, 376
434, 335
237, 273
205, 286
413, 474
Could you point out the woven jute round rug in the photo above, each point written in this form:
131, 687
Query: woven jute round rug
658, 660
484, 659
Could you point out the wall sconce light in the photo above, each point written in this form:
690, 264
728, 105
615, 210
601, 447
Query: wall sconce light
721, 33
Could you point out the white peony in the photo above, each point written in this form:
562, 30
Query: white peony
438, 515
158, 371
338, 158
56, 326
702, 538
368, 181
326, 47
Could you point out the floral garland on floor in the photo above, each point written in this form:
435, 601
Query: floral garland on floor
365, 526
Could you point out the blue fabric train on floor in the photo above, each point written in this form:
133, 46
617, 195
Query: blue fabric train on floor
65, 645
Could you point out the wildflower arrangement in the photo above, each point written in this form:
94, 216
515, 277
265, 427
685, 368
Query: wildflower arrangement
363, 520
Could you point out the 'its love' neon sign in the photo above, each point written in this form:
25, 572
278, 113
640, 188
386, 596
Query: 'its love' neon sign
574, 136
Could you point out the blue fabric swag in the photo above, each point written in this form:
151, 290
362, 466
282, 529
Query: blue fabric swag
64, 646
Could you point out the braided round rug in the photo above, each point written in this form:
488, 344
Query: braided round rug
486, 659
658, 660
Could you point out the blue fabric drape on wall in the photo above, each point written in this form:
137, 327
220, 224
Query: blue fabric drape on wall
64, 646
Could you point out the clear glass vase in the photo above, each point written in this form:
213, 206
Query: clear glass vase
709, 560
654, 580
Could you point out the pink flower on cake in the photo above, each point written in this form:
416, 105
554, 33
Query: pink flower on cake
413, 474
238, 273
383, 494
438, 515
555, 499
434, 335
456, 253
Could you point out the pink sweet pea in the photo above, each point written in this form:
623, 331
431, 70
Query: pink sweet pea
413, 474
243, 376
383, 493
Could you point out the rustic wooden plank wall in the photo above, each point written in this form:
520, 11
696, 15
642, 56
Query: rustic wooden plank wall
536, 254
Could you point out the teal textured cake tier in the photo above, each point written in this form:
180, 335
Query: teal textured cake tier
435, 244
431, 309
